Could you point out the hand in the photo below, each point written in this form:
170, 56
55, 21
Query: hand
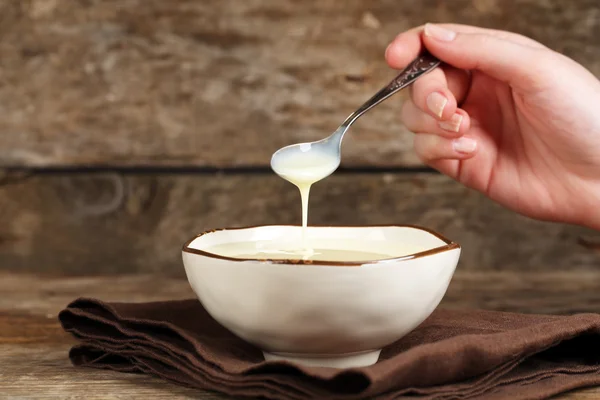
508, 117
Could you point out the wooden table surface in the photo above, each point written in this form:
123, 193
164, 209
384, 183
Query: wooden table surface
33, 348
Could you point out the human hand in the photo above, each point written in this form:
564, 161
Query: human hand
508, 117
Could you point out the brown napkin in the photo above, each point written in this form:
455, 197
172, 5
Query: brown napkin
452, 355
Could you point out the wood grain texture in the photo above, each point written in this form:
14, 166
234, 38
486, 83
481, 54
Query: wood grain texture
43, 372
38, 297
29, 372
114, 224
33, 348
225, 82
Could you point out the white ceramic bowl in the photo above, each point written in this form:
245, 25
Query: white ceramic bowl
336, 314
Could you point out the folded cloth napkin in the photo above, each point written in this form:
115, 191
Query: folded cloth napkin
452, 355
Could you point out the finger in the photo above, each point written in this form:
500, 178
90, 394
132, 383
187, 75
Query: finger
459, 82
404, 48
439, 92
416, 120
506, 35
432, 95
447, 167
502, 59
432, 148
407, 45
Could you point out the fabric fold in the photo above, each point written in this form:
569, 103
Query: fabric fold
451, 355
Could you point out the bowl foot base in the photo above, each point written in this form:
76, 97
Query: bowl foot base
351, 360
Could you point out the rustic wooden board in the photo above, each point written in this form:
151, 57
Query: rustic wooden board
30, 372
37, 299
43, 372
224, 82
115, 224
33, 349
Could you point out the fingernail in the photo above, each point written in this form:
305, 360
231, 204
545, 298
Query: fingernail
436, 103
464, 145
453, 125
439, 33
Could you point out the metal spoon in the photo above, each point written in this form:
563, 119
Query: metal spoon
331, 145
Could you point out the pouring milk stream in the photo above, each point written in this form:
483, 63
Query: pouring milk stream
303, 168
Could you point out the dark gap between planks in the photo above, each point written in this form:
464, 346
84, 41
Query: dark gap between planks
173, 170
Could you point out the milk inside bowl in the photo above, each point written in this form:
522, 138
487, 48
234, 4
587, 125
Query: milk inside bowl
325, 249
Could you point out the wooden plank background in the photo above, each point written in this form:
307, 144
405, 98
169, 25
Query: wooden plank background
224, 82
187, 86
124, 222
114, 113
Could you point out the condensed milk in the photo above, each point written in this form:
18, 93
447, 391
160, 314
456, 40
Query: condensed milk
329, 250
303, 168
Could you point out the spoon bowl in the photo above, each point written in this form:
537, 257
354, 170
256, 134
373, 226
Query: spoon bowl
309, 162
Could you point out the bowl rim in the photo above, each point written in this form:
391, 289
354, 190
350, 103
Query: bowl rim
450, 245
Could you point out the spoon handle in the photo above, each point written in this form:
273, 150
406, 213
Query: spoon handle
417, 68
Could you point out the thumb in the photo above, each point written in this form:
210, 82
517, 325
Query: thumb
507, 61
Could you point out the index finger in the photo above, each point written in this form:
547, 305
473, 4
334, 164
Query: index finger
408, 45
